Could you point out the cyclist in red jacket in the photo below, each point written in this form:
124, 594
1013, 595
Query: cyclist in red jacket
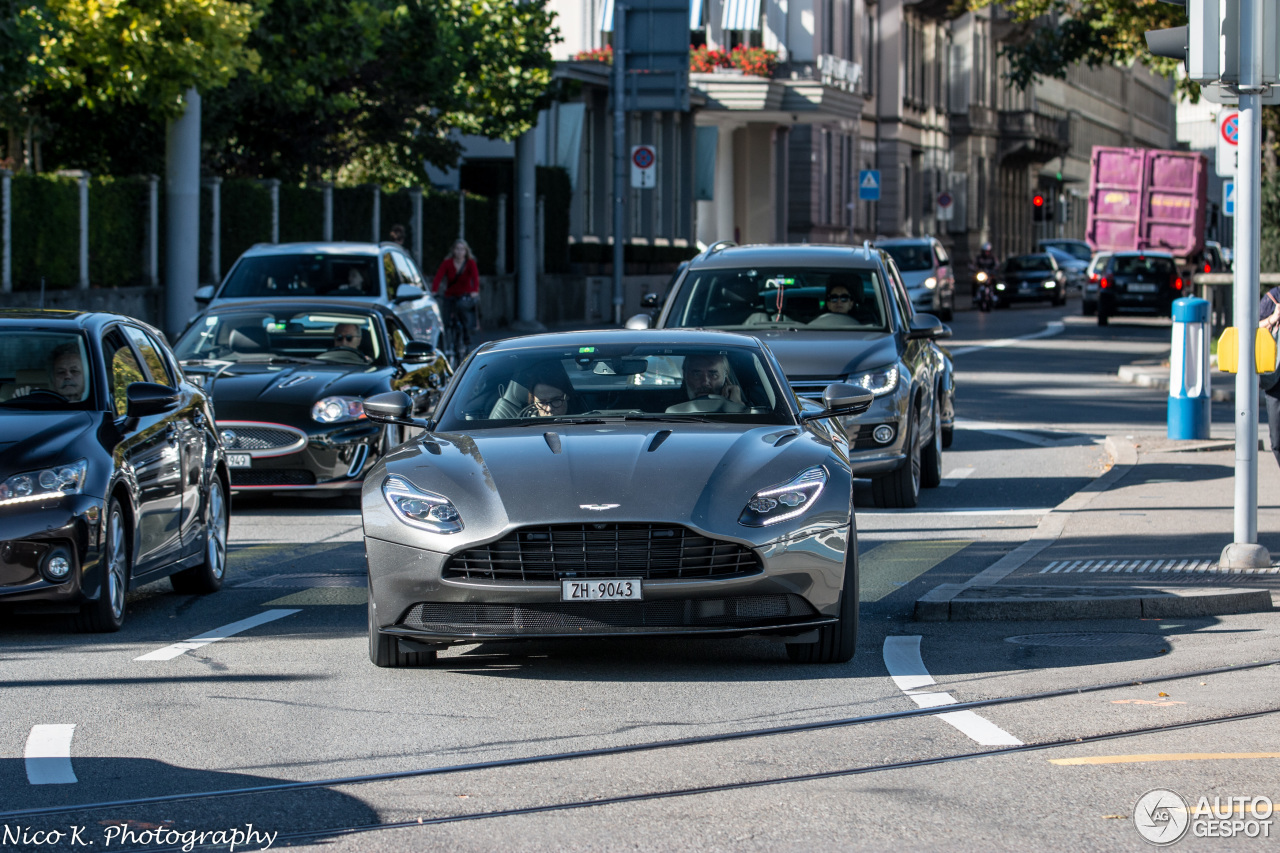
460, 295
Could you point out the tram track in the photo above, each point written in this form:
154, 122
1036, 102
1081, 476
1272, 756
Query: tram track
722, 737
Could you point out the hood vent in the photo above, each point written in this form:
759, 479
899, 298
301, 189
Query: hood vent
662, 436
553, 441
296, 379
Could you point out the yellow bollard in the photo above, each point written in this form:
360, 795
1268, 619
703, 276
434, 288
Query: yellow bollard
1264, 352
1229, 350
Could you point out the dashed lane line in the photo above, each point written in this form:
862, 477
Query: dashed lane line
887, 568
1056, 327
906, 667
48, 754
178, 649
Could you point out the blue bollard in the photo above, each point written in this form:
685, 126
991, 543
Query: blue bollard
1189, 370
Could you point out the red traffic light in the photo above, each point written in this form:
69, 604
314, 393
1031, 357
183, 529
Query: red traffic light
1037, 200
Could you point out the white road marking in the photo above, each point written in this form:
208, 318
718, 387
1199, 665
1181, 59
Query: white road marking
954, 478
906, 667
171, 652
48, 755
1054, 328
1207, 565
1009, 431
993, 510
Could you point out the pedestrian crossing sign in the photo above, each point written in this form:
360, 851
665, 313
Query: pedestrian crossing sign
1228, 198
869, 185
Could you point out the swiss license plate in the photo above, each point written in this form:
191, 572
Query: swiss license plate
1142, 288
239, 460
601, 590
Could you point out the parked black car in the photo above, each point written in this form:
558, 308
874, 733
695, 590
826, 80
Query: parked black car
836, 314
288, 378
1030, 278
111, 475
1138, 283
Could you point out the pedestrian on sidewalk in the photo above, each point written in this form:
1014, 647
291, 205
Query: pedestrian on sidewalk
460, 295
397, 234
1269, 319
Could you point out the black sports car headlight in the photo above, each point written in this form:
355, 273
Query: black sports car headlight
786, 500
421, 509
332, 410
47, 483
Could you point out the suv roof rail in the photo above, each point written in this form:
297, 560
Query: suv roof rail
717, 246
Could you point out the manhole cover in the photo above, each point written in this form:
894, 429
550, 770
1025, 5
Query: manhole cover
1089, 640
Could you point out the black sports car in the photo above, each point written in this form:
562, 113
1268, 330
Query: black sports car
111, 474
288, 380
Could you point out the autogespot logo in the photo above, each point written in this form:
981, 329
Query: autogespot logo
1161, 816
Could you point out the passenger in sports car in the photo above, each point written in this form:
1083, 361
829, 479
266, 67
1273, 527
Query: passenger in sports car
347, 335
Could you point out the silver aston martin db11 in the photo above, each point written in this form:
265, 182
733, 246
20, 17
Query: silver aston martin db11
620, 483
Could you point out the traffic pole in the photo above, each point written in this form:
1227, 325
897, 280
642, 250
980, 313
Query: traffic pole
1245, 552
619, 154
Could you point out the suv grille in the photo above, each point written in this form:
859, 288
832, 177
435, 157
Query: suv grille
608, 550
606, 616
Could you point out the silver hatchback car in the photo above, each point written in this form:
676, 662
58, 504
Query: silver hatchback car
927, 272
384, 274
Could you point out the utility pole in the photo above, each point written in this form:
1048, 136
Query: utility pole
182, 196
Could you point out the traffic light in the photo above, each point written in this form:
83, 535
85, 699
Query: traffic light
1040, 209
1208, 46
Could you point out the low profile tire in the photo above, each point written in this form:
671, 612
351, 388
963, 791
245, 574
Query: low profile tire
900, 489
931, 455
207, 577
948, 436
1102, 317
836, 643
385, 650
106, 614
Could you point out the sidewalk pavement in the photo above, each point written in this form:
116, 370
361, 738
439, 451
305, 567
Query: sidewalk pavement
1143, 540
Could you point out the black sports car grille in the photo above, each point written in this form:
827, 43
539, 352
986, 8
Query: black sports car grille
268, 477
242, 436
605, 550
606, 616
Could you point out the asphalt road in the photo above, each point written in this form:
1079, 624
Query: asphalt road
785, 756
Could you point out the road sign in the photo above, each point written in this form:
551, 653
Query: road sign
869, 185
1228, 143
644, 167
1228, 198
946, 206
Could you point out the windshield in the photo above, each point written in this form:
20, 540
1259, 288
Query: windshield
268, 336
1029, 263
303, 275
790, 298
42, 370
602, 382
911, 257
1079, 251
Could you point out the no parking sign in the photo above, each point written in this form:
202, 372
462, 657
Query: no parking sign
644, 167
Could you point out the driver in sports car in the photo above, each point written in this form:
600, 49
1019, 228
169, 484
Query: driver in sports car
347, 335
67, 371
708, 380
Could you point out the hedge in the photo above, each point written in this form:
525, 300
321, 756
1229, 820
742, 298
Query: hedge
46, 232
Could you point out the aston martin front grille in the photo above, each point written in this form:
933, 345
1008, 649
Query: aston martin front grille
606, 616
604, 550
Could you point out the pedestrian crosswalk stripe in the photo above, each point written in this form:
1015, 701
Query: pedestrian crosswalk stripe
1162, 566
887, 568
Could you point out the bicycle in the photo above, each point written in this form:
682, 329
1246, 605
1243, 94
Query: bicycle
454, 334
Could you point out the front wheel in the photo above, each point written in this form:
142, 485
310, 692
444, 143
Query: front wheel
106, 613
385, 651
207, 577
900, 488
836, 643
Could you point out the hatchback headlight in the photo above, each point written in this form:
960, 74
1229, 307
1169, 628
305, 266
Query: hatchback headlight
49, 482
333, 410
930, 282
785, 501
878, 382
421, 509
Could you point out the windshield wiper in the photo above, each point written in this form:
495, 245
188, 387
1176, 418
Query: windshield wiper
672, 418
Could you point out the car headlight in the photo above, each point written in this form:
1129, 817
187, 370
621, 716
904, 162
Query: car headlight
878, 382
421, 509
786, 500
931, 282
332, 410
1052, 282
49, 482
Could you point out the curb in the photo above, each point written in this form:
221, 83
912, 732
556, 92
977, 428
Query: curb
955, 603
1151, 375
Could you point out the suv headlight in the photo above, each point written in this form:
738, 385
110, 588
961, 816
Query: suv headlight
332, 410
421, 509
930, 282
878, 382
49, 482
785, 501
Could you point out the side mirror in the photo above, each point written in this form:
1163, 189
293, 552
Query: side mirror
148, 398
651, 300
639, 321
408, 293
204, 294
391, 407
927, 327
418, 352
840, 399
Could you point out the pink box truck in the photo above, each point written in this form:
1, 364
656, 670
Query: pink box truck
1147, 198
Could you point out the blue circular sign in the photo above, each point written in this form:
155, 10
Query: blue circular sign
643, 157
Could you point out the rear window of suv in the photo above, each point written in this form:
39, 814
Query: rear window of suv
303, 275
911, 258
1142, 266
780, 298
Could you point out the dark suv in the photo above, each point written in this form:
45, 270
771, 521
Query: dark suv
835, 314
1138, 283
